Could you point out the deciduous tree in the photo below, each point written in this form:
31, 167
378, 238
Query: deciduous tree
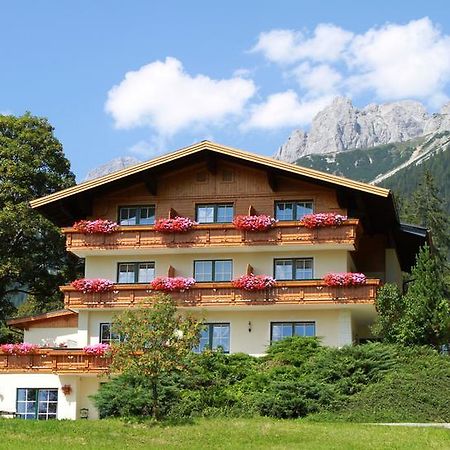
156, 341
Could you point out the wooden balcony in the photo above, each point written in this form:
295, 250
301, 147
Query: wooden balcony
58, 361
211, 235
223, 294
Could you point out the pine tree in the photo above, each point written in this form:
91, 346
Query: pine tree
427, 209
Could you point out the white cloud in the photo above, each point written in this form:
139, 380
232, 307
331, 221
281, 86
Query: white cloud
318, 79
400, 61
166, 98
288, 46
285, 109
391, 62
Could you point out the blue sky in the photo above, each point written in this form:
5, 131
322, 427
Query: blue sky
139, 78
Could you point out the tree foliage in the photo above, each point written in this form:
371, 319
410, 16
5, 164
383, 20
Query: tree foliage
156, 342
32, 251
422, 315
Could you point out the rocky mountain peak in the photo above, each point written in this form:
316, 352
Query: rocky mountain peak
112, 166
340, 127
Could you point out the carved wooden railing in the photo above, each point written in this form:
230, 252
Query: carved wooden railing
217, 294
213, 235
54, 361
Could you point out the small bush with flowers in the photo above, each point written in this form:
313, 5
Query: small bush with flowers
94, 285
322, 220
344, 279
98, 226
254, 282
24, 348
176, 225
171, 284
254, 223
96, 349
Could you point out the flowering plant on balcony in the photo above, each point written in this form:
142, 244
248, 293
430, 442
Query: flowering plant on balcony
171, 284
344, 279
322, 220
93, 285
176, 225
97, 226
96, 349
254, 223
24, 348
253, 282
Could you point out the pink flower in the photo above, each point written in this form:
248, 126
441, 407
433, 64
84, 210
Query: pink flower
344, 279
253, 282
96, 349
171, 284
23, 348
177, 225
86, 285
95, 226
322, 220
254, 223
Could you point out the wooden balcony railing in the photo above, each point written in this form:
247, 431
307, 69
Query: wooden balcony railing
219, 294
212, 235
60, 361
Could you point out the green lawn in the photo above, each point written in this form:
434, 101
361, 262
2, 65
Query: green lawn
215, 433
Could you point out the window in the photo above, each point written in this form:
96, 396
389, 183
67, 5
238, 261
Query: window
38, 404
137, 215
294, 269
135, 272
282, 330
293, 210
213, 336
220, 270
215, 213
107, 336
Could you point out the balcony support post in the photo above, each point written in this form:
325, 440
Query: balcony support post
345, 329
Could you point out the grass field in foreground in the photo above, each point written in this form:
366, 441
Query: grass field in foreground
215, 433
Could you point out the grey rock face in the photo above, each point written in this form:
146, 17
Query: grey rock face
341, 126
112, 166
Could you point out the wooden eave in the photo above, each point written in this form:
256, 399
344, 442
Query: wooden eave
25, 322
209, 148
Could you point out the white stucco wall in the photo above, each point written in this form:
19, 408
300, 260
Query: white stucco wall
52, 336
262, 262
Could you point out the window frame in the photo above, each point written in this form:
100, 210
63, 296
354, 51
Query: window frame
138, 215
54, 416
210, 326
293, 324
294, 203
136, 270
111, 339
213, 270
216, 207
309, 258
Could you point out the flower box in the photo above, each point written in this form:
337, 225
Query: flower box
253, 282
171, 284
344, 279
254, 223
98, 226
96, 349
176, 225
322, 220
24, 348
93, 285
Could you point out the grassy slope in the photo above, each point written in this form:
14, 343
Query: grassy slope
215, 433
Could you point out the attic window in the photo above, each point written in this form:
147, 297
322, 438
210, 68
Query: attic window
201, 177
227, 175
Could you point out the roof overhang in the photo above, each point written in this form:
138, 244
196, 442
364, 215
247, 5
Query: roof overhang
64, 206
25, 322
409, 238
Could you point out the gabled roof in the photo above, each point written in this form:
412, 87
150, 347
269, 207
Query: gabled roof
25, 322
219, 149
